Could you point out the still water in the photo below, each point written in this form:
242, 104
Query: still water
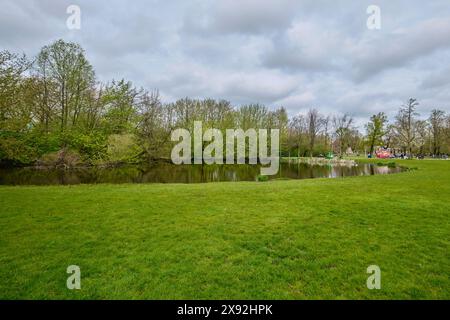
164, 172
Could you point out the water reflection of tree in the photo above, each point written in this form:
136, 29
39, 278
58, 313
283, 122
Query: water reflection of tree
169, 173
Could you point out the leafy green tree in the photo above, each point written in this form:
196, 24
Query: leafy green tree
120, 103
64, 66
437, 122
14, 112
375, 130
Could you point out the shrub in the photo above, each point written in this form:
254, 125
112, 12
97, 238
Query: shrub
392, 165
262, 178
91, 147
16, 151
122, 148
63, 158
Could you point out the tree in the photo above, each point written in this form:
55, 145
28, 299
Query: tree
446, 135
279, 120
326, 129
155, 124
315, 123
64, 65
253, 116
376, 130
422, 130
342, 131
297, 130
390, 136
355, 140
437, 122
120, 104
95, 109
14, 113
59, 104
405, 124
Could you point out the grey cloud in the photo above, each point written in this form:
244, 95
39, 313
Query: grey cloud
25, 24
401, 47
240, 87
243, 16
305, 46
438, 79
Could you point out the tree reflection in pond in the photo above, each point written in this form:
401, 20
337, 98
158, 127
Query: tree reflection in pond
169, 173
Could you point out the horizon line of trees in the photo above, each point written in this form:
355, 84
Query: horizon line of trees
52, 106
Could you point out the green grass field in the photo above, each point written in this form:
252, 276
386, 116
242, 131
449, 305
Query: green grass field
303, 239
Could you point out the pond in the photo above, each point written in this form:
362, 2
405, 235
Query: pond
163, 172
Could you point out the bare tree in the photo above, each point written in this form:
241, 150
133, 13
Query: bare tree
155, 124
326, 131
405, 124
390, 136
315, 124
342, 130
297, 128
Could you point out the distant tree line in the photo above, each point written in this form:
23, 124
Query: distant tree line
53, 110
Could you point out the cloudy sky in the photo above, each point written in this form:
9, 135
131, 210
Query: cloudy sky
291, 53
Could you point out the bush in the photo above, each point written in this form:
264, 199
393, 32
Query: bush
262, 178
63, 158
122, 148
389, 164
392, 165
91, 147
43, 142
15, 150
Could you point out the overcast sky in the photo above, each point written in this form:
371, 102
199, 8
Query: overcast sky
291, 53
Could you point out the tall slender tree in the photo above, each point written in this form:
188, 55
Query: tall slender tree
315, 124
406, 124
376, 130
437, 123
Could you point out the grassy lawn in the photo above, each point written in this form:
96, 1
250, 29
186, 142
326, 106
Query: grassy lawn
269, 240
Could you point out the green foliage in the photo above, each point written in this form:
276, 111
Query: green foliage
392, 165
43, 142
262, 178
123, 148
387, 164
28, 147
61, 105
15, 148
120, 104
376, 130
92, 147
